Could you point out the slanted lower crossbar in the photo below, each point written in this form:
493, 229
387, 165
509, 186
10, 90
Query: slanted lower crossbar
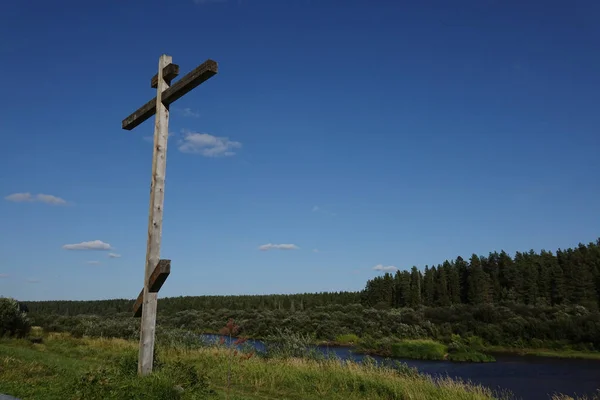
155, 282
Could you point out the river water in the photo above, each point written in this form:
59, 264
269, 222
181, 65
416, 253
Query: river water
527, 377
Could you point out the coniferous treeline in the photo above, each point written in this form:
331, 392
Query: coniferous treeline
171, 305
535, 300
569, 277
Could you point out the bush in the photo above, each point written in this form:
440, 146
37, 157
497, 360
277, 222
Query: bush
349, 338
13, 322
419, 349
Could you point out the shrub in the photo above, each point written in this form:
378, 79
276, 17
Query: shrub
419, 349
349, 338
13, 322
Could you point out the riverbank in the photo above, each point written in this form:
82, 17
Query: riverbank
65, 367
459, 350
549, 353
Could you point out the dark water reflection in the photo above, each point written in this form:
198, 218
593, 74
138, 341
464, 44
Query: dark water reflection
526, 377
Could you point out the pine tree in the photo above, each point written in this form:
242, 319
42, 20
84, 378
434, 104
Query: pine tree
441, 288
504, 265
544, 283
490, 267
529, 271
415, 288
478, 292
429, 286
453, 277
463, 273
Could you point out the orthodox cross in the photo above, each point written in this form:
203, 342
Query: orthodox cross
157, 271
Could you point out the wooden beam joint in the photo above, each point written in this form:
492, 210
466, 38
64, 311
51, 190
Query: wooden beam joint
155, 282
200, 74
170, 72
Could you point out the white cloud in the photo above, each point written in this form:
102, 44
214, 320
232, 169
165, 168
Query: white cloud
92, 245
49, 199
271, 246
40, 198
317, 209
315, 250
114, 255
382, 268
207, 145
19, 197
2, 276
93, 262
188, 112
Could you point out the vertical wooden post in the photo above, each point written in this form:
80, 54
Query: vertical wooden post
157, 195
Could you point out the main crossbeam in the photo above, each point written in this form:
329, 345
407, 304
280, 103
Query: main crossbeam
201, 74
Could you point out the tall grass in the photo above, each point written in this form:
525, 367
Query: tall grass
64, 367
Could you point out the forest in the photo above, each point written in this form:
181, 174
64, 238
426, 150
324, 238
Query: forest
531, 300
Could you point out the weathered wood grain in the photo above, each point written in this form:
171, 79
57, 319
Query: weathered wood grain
157, 279
159, 276
169, 73
201, 74
155, 217
137, 306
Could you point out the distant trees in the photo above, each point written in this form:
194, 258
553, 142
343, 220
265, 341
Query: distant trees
532, 299
13, 321
171, 305
570, 277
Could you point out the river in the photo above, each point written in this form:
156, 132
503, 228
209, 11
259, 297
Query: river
527, 377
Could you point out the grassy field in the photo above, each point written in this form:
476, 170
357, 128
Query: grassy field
63, 367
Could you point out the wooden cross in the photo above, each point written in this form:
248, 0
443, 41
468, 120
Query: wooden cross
156, 270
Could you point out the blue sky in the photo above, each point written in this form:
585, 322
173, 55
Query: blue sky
364, 133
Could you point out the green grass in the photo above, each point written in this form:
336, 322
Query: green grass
544, 352
67, 368
470, 356
347, 339
421, 349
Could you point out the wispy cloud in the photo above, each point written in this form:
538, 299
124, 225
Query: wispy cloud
91, 245
188, 112
207, 145
114, 255
3, 276
382, 268
39, 198
315, 250
318, 209
271, 246
32, 280
93, 262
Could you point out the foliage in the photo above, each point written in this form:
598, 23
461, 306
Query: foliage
13, 322
284, 343
421, 349
348, 338
532, 300
569, 277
